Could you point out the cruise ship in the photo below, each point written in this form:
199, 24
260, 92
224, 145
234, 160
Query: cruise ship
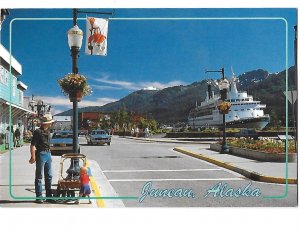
244, 112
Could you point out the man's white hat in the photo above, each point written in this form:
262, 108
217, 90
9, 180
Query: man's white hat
46, 119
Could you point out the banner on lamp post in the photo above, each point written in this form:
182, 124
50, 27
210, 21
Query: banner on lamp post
96, 36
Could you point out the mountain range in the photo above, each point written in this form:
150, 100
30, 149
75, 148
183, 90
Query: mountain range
173, 104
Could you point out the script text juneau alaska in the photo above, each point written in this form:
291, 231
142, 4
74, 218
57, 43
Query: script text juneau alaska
223, 190
148, 191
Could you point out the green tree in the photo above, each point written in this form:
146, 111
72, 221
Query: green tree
123, 116
150, 123
274, 120
114, 118
130, 116
105, 123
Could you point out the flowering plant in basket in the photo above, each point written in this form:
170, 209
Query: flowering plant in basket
74, 83
224, 107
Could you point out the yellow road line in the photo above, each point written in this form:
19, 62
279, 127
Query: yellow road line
96, 190
249, 174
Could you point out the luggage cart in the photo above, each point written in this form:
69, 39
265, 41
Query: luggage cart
67, 186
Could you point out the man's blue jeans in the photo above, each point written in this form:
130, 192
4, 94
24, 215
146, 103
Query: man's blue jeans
43, 165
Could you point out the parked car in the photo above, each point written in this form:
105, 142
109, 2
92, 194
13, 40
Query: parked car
82, 132
247, 133
62, 143
98, 137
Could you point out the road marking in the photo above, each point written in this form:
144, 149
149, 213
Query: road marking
106, 187
247, 173
97, 193
96, 189
178, 170
203, 179
210, 164
141, 143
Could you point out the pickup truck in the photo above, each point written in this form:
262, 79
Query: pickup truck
98, 137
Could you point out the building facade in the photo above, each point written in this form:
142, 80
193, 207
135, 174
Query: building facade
11, 97
62, 123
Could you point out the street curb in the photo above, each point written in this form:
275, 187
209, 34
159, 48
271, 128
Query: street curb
249, 174
165, 141
95, 188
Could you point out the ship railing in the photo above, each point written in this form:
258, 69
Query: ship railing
244, 93
261, 106
247, 117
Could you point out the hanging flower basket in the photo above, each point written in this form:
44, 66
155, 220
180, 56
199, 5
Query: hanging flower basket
75, 95
75, 86
224, 107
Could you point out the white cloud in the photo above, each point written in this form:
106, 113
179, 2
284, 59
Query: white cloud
64, 101
55, 111
159, 85
55, 101
61, 103
120, 84
150, 88
115, 84
98, 102
105, 87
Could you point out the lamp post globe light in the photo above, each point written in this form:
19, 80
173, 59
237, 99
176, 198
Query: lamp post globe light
223, 87
40, 107
32, 104
75, 36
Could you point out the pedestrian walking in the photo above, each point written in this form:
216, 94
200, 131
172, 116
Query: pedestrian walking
132, 131
41, 155
17, 137
137, 132
146, 132
9, 134
85, 189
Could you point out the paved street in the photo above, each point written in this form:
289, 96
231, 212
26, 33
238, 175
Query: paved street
128, 165
128, 169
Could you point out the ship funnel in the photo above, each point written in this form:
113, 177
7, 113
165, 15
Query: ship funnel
209, 91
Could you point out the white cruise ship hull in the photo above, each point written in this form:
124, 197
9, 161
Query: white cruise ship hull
259, 122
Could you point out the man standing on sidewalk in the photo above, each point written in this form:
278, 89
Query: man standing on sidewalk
41, 155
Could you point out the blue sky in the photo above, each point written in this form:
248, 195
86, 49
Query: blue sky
143, 53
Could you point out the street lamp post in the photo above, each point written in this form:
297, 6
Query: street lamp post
32, 104
223, 87
40, 107
75, 36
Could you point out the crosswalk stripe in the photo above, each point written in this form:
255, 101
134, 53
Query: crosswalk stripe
202, 179
178, 170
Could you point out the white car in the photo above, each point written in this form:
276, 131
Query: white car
98, 137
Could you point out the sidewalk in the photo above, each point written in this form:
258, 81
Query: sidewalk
22, 181
259, 171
